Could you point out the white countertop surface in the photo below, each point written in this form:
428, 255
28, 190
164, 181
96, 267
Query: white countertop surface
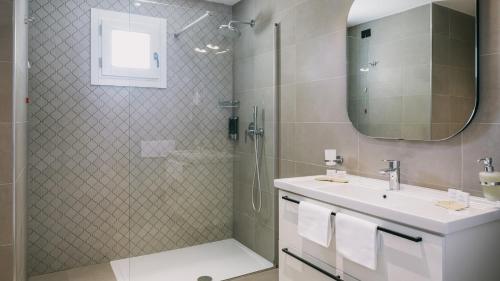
412, 205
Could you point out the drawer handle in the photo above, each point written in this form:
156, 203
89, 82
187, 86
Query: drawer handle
395, 233
334, 277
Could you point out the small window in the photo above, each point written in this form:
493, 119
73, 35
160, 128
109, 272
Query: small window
128, 50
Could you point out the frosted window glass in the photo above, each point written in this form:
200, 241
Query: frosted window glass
130, 49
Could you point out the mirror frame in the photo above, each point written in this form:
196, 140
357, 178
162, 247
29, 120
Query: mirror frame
476, 86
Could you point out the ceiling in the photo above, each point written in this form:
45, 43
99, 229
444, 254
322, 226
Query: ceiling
225, 2
368, 10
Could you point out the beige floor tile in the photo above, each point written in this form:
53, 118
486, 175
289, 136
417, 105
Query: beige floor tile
100, 272
57, 276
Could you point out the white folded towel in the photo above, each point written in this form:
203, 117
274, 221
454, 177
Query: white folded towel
315, 223
356, 240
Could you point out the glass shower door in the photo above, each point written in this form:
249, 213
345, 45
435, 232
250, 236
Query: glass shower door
185, 185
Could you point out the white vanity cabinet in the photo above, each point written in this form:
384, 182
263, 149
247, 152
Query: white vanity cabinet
472, 254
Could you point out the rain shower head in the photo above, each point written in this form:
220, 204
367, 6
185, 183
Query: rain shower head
231, 29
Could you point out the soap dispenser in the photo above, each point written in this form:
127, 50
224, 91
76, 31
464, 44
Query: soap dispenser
490, 180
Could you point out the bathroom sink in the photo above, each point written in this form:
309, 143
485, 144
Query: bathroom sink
412, 205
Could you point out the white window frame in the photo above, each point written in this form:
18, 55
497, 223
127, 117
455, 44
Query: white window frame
103, 22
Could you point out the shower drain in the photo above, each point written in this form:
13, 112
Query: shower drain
204, 278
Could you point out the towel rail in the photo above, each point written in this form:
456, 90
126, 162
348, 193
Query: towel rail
415, 239
334, 277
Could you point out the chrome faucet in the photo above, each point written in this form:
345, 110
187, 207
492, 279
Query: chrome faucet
394, 173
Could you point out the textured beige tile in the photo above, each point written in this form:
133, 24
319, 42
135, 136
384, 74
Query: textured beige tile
288, 70
5, 153
421, 162
287, 169
245, 200
265, 218
373, 151
432, 164
264, 241
288, 103
21, 147
57, 276
244, 73
316, 60
6, 214
303, 170
315, 18
21, 218
311, 139
6, 263
100, 272
489, 105
6, 31
245, 230
264, 70
322, 101
6, 92
287, 19
489, 26
287, 141
490, 71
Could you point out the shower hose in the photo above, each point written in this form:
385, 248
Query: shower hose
256, 174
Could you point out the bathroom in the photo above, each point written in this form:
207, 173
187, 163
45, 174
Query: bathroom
179, 140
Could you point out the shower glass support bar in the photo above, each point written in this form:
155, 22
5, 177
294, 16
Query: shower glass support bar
207, 14
395, 233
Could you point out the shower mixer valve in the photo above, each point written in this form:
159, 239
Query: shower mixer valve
253, 128
252, 131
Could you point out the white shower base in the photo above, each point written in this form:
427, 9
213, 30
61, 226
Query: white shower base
220, 260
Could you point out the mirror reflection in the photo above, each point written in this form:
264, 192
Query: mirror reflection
411, 67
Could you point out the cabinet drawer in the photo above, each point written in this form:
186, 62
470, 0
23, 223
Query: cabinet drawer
398, 259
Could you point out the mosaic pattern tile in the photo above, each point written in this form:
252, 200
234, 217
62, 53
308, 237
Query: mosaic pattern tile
92, 197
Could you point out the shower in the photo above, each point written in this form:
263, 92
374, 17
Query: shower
256, 133
231, 29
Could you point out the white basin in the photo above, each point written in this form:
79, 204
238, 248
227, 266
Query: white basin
412, 205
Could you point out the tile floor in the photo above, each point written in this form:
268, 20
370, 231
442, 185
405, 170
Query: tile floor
268, 275
103, 272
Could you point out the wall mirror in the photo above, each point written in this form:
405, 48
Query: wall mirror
412, 67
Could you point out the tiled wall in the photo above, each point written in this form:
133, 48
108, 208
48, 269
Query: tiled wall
6, 144
314, 115
453, 70
254, 82
92, 197
393, 98
13, 129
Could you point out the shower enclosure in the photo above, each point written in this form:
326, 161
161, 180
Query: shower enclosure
132, 172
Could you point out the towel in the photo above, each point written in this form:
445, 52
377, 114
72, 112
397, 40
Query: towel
356, 240
315, 223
